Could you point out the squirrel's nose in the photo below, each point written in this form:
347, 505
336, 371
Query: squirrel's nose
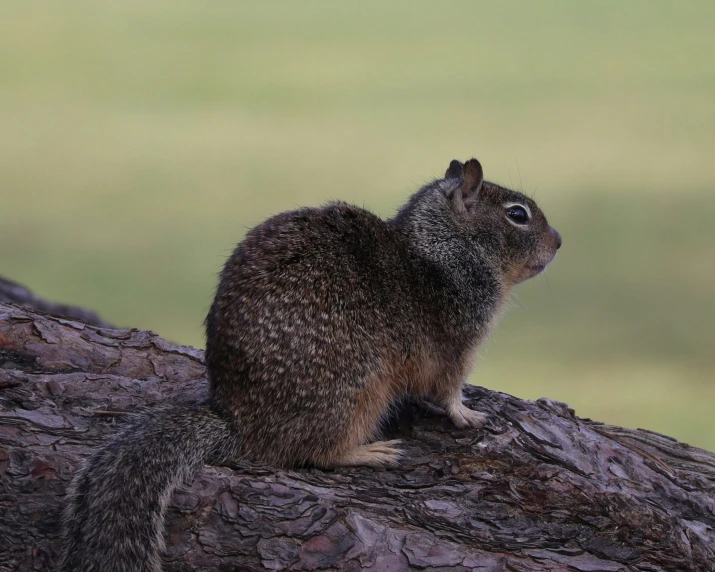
557, 238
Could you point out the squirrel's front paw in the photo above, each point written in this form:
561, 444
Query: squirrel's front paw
462, 416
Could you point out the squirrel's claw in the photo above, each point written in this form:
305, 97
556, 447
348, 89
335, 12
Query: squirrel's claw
462, 416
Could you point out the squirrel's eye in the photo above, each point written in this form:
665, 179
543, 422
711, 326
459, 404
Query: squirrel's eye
517, 214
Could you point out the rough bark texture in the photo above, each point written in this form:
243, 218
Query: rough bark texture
537, 489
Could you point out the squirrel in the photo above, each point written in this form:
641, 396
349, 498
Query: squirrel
322, 318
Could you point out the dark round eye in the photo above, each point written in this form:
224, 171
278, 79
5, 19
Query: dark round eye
517, 214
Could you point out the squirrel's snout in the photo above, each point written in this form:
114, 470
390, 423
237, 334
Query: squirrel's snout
557, 238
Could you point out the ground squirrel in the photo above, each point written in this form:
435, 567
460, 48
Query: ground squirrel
322, 318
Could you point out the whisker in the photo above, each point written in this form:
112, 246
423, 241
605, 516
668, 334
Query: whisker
511, 183
517, 301
521, 183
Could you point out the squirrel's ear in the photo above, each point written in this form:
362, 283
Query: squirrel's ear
465, 197
455, 170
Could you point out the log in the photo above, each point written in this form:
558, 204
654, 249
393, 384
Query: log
12, 292
537, 489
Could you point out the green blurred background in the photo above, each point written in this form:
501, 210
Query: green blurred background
139, 141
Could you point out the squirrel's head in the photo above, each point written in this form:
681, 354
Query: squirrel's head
507, 223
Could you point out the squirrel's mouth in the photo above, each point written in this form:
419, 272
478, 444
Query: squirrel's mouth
533, 267
536, 268
541, 262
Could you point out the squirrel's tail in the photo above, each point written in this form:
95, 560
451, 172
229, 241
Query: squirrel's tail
114, 518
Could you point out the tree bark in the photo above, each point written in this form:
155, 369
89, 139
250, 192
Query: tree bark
14, 293
537, 489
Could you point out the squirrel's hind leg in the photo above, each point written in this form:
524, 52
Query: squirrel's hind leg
377, 454
369, 405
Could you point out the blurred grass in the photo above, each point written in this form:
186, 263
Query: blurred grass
139, 140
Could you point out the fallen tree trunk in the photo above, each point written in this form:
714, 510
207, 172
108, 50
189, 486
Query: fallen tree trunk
536, 489
14, 293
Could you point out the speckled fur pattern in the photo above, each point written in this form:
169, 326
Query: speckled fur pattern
114, 513
323, 317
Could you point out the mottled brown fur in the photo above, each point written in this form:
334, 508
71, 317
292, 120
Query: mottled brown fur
322, 319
